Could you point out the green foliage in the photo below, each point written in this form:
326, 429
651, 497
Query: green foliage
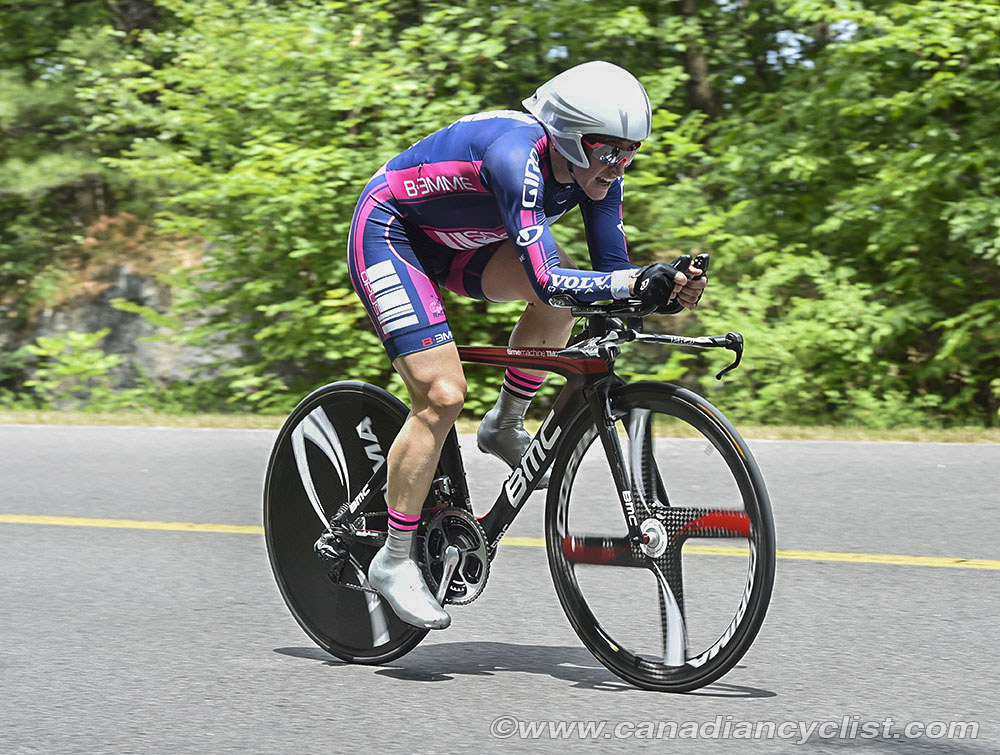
269, 120
52, 184
72, 372
822, 359
844, 176
876, 151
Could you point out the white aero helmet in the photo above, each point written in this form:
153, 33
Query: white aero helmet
592, 98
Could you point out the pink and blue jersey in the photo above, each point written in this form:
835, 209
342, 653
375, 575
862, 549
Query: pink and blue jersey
436, 213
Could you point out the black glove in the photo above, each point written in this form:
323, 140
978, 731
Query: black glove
656, 282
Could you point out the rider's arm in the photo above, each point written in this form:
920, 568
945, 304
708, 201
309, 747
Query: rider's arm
510, 169
603, 221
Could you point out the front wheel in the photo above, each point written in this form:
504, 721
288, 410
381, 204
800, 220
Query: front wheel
679, 610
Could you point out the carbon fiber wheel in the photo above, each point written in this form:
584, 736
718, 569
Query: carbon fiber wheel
677, 611
327, 450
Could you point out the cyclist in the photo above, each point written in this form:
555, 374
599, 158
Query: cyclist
469, 208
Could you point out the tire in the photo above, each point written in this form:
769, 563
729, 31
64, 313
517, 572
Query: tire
710, 599
332, 443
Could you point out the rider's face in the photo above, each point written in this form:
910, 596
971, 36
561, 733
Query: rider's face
596, 179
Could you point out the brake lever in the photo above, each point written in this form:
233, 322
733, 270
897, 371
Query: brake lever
733, 342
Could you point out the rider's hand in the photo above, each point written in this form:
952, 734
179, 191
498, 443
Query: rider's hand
688, 287
668, 287
655, 284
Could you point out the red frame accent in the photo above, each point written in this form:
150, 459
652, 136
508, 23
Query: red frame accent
533, 359
578, 552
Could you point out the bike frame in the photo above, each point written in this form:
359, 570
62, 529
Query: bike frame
588, 382
589, 373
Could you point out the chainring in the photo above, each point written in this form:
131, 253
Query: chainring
455, 526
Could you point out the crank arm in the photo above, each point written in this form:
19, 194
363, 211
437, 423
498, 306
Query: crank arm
451, 559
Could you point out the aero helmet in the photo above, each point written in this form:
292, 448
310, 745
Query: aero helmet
592, 98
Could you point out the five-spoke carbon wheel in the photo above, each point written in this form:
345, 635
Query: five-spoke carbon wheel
677, 610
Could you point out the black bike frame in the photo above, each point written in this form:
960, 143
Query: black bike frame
588, 382
589, 372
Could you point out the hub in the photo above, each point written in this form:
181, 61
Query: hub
655, 536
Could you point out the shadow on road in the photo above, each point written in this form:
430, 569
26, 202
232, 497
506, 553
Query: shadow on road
444, 661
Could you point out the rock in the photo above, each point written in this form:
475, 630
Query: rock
161, 359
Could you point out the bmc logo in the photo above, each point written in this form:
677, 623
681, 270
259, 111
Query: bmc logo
531, 463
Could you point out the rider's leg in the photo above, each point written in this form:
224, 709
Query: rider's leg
436, 385
404, 305
502, 430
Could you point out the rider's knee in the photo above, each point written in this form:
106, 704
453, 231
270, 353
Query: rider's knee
445, 398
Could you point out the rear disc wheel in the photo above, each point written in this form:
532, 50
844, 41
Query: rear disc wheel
327, 450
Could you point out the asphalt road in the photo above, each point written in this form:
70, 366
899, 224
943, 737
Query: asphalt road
139, 640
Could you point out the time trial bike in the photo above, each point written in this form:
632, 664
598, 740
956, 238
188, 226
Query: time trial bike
658, 526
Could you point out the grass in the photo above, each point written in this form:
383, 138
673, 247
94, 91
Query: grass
469, 425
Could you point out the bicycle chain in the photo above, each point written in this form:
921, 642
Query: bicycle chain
359, 588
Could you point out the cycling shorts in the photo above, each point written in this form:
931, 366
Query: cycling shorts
396, 270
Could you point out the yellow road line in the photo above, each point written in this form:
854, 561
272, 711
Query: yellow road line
130, 524
796, 555
532, 542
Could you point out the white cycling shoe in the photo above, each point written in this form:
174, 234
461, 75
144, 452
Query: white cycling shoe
400, 583
506, 438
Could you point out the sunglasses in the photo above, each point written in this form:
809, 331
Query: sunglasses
611, 155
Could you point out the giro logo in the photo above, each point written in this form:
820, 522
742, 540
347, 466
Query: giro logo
531, 234
532, 181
